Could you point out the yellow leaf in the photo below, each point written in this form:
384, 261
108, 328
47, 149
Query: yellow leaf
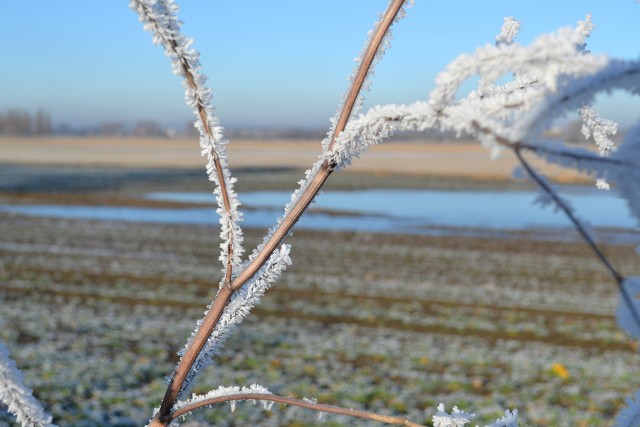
560, 370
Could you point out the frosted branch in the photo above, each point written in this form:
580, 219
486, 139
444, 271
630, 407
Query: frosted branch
600, 129
239, 306
267, 399
17, 397
364, 71
220, 393
159, 18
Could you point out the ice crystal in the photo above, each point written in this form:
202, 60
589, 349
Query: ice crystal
510, 419
598, 128
457, 417
509, 31
630, 415
17, 397
228, 391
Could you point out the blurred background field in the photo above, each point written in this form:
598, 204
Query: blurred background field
443, 158
94, 311
108, 237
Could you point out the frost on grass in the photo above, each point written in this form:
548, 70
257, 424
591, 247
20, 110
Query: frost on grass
510, 419
17, 397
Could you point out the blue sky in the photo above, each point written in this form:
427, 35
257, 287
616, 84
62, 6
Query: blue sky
270, 63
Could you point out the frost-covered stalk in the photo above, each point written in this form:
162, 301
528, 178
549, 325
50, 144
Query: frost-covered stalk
17, 397
256, 393
236, 310
360, 79
316, 176
159, 17
553, 75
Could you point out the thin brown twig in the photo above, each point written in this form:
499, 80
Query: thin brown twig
517, 147
388, 419
218, 165
617, 276
318, 181
546, 150
224, 295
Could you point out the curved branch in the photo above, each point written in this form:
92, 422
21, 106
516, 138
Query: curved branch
372, 416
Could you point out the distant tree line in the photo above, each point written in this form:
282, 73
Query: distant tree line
20, 122
16, 122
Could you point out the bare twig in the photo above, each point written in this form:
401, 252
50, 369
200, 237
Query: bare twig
224, 295
617, 276
388, 419
542, 150
517, 147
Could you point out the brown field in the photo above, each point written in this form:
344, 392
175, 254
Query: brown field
441, 159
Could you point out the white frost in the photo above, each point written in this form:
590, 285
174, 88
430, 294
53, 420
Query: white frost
17, 397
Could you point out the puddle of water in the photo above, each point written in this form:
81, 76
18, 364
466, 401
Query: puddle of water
397, 211
487, 209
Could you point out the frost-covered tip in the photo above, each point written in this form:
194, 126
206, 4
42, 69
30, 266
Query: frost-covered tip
366, 85
600, 129
17, 397
509, 31
457, 417
510, 419
160, 18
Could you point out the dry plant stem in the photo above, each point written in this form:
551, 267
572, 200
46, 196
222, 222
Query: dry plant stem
218, 166
188, 75
583, 232
324, 172
225, 293
296, 402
